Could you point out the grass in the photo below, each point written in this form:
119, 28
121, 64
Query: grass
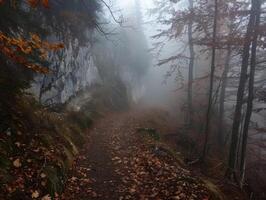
45, 142
216, 194
155, 139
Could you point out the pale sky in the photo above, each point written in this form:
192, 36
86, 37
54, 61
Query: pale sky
127, 4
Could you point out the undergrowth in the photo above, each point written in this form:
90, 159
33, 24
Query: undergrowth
37, 149
159, 135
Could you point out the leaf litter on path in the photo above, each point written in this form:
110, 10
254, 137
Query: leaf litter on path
118, 164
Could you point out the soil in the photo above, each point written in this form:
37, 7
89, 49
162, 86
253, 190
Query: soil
120, 163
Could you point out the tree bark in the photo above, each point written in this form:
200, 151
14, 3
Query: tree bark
250, 93
240, 95
222, 97
210, 101
191, 66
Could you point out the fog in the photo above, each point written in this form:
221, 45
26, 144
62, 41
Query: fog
158, 89
133, 99
165, 86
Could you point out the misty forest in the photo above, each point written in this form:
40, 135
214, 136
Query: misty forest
133, 99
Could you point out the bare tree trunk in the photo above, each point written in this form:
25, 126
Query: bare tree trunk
250, 92
240, 95
191, 66
222, 96
210, 102
42, 88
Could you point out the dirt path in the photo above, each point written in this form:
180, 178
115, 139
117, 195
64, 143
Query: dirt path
119, 163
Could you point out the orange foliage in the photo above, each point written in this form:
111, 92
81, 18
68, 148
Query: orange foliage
19, 50
45, 3
35, 3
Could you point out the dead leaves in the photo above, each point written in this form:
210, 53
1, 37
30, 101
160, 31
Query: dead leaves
146, 175
46, 197
17, 163
142, 174
29, 158
35, 194
80, 183
43, 175
117, 160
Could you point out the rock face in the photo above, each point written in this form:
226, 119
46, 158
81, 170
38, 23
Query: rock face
117, 69
80, 71
73, 70
111, 65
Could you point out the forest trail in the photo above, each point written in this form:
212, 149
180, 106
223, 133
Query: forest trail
120, 163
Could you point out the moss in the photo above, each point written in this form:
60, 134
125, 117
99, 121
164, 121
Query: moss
48, 142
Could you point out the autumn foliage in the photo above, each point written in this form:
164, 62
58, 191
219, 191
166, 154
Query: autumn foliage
32, 3
35, 3
20, 50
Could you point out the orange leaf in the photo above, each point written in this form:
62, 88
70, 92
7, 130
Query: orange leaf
33, 3
45, 3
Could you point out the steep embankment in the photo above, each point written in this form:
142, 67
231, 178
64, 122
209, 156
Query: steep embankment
37, 148
124, 161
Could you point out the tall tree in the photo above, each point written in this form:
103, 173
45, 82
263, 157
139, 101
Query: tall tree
250, 90
224, 81
231, 171
191, 65
181, 25
210, 101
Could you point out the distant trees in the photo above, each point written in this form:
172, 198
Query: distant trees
211, 86
228, 32
180, 25
222, 97
123, 60
199, 21
191, 65
249, 55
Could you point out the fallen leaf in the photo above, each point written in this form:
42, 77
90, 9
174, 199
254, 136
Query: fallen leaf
17, 163
46, 197
94, 194
43, 183
132, 190
45, 3
43, 175
116, 158
35, 194
17, 144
